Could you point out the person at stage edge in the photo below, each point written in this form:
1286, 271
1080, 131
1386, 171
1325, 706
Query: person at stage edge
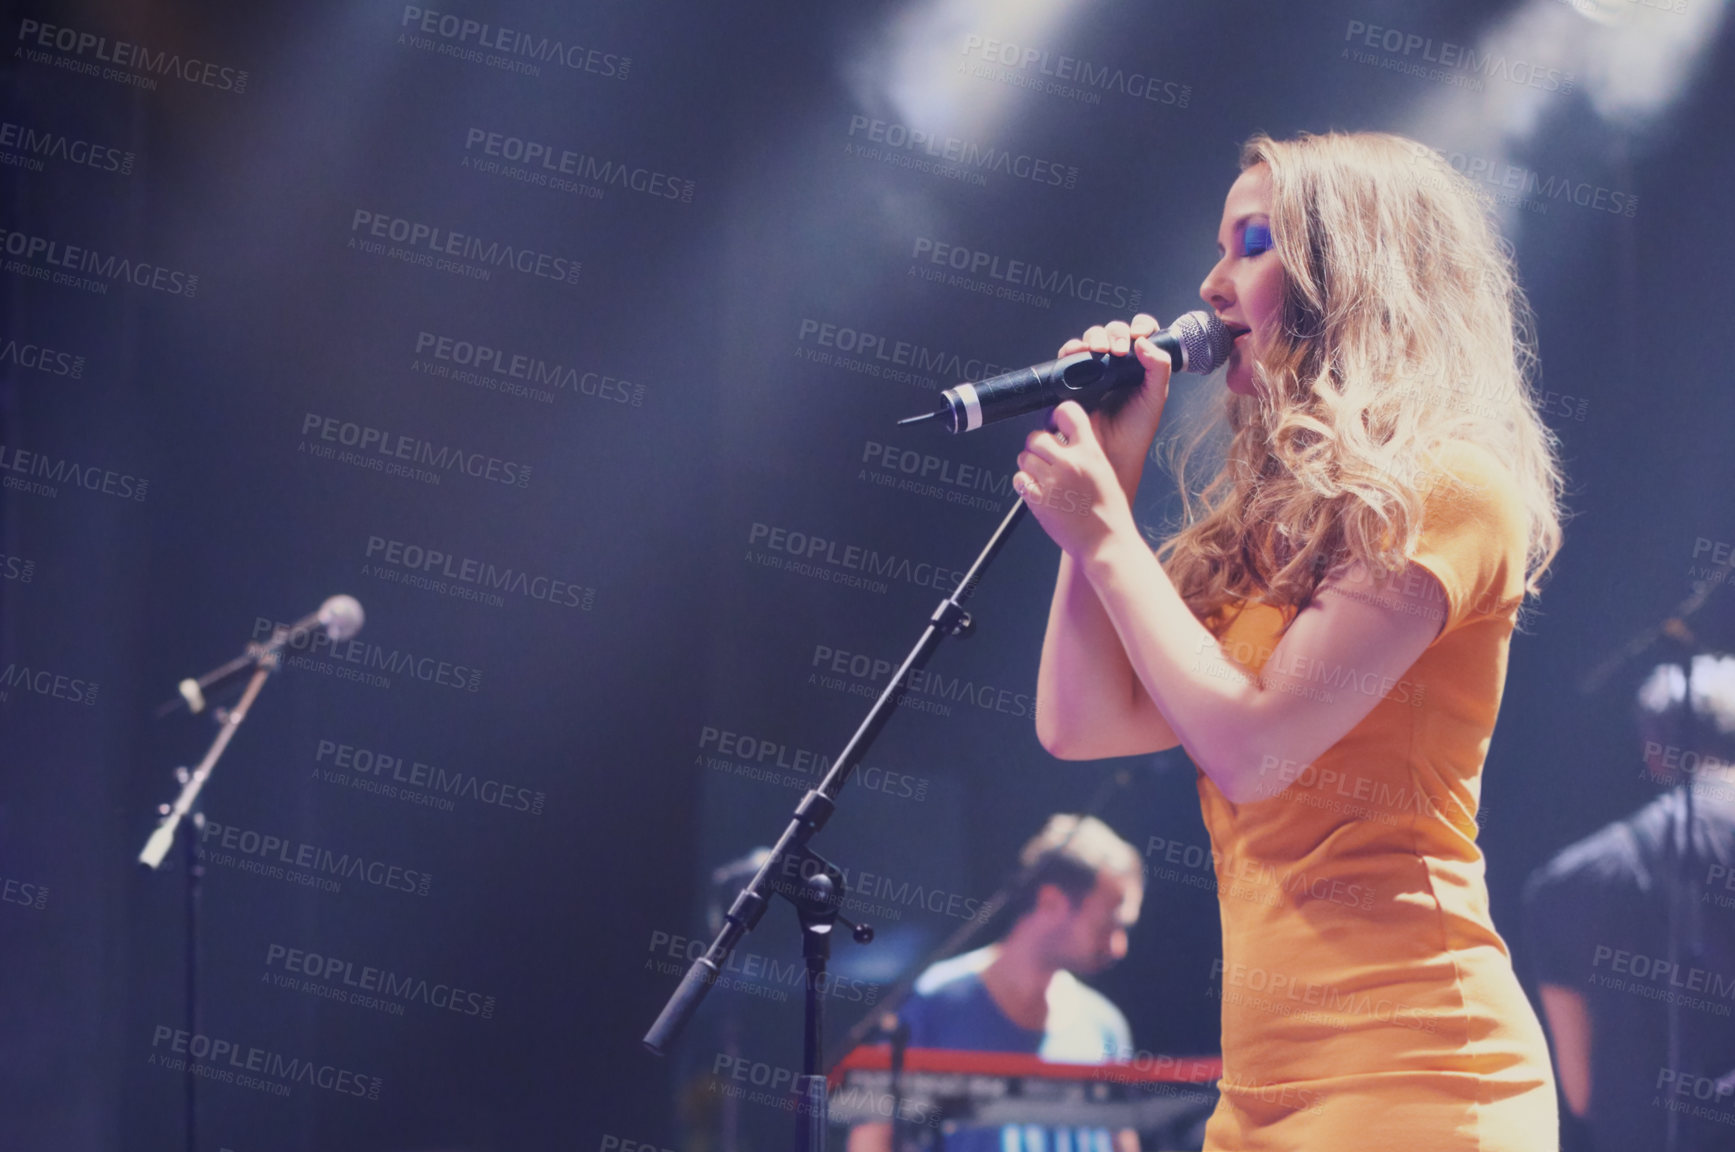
1599, 936
1326, 636
1071, 918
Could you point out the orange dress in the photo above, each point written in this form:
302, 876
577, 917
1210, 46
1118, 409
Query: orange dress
1368, 1003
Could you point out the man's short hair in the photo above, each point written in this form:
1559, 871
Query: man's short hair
1070, 853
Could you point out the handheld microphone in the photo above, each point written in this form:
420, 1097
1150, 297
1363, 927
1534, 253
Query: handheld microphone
1197, 342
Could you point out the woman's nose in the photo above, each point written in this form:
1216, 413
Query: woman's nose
1216, 290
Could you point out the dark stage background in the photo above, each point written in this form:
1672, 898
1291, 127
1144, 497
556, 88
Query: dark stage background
570, 340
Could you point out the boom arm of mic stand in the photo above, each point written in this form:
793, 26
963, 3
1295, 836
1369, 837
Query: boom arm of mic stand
191, 692
817, 806
163, 838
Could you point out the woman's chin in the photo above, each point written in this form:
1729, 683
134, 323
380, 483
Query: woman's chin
1240, 381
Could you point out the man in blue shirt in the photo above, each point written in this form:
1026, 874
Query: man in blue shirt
1022, 994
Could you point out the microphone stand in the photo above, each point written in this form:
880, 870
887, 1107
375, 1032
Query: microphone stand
1685, 916
185, 807
899, 1036
821, 893
151, 856
725, 877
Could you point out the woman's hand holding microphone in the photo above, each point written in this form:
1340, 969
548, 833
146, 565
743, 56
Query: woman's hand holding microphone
1079, 475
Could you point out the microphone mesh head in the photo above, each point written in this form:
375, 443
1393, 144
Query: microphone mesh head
341, 617
1205, 342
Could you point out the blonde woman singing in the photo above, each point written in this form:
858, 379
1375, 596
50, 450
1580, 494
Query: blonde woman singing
1327, 639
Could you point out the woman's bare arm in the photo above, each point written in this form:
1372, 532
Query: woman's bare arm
1355, 633
1238, 727
1089, 702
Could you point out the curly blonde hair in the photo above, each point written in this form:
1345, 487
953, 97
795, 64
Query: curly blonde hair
1403, 329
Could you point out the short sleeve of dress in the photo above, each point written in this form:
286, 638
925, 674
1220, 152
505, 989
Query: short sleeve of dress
1473, 536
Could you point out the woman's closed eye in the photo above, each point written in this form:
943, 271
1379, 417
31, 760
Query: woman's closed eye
1255, 238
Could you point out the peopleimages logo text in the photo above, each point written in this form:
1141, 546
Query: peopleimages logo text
966, 155
46, 253
136, 57
34, 144
1039, 62
318, 643
554, 160
463, 32
232, 1061
59, 470
356, 978
807, 548
38, 358
436, 241
1023, 274
317, 861
545, 376
416, 558
1454, 60
400, 446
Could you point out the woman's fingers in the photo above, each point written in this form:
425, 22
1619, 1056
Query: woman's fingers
1117, 336
1150, 355
1120, 337
1071, 423
1040, 446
